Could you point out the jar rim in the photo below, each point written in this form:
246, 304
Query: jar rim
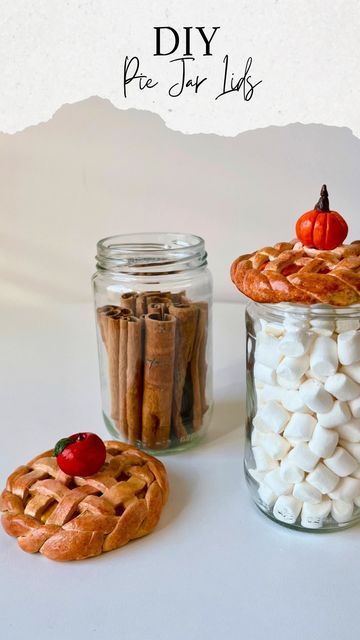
283, 309
152, 251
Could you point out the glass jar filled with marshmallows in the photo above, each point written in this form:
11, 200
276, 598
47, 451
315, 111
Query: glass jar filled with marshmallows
302, 452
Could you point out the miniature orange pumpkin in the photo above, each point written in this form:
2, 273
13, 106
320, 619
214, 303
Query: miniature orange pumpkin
320, 227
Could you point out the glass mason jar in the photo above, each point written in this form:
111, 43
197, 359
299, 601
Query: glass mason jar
302, 454
153, 301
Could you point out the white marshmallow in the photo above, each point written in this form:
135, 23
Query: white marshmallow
275, 445
296, 343
342, 387
302, 456
356, 473
351, 447
277, 484
353, 371
313, 515
274, 416
267, 350
347, 489
306, 492
322, 478
341, 462
255, 438
348, 324
341, 511
286, 383
257, 475
287, 508
300, 426
339, 414
323, 442
263, 461
293, 369
324, 357
292, 401
264, 374
292, 322
267, 496
350, 431
349, 347
323, 327
355, 407
357, 501
271, 392
272, 328
289, 472
315, 396
260, 425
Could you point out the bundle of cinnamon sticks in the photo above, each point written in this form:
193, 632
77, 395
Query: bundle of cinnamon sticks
156, 351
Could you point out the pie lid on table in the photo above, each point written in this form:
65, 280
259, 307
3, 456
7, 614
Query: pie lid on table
315, 268
74, 517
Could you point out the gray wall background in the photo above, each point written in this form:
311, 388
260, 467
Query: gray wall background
94, 171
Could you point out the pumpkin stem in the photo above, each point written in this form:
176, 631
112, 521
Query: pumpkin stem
323, 202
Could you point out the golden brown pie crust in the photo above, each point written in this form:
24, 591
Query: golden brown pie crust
71, 517
290, 272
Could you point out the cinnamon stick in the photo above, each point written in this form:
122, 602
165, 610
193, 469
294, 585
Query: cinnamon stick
158, 380
134, 379
122, 368
198, 365
112, 341
128, 301
186, 324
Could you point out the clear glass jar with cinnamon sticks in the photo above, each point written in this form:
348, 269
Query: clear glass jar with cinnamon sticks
153, 299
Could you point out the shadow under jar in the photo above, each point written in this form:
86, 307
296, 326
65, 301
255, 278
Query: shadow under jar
153, 301
302, 455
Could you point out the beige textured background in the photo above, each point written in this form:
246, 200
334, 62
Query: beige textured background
94, 171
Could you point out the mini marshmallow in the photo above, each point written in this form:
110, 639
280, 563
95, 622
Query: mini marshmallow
293, 369
256, 437
315, 396
356, 473
260, 425
287, 508
300, 426
313, 515
275, 445
286, 383
341, 511
341, 462
271, 392
306, 493
338, 415
342, 387
274, 416
272, 328
292, 322
349, 347
302, 456
296, 343
277, 484
264, 374
323, 327
257, 475
322, 479
324, 357
323, 442
267, 350
350, 430
267, 496
353, 371
348, 324
355, 407
351, 447
263, 461
292, 401
289, 472
347, 489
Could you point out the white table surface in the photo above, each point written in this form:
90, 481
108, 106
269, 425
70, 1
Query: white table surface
215, 567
